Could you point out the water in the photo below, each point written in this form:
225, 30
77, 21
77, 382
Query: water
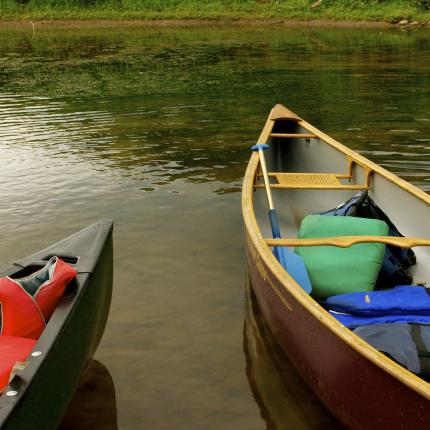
152, 127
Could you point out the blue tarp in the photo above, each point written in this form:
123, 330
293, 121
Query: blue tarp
353, 321
400, 304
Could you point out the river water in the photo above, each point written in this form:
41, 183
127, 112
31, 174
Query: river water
152, 126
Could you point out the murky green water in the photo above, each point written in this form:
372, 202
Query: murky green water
152, 127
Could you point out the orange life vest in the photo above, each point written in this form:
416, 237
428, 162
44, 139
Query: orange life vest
26, 303
48, 294
20, 316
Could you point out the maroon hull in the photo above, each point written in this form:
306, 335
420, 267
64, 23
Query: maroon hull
311, 172
359, 392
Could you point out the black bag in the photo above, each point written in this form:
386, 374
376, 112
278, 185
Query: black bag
406, 343
396, 260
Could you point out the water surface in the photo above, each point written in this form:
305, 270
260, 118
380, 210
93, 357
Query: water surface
152, 127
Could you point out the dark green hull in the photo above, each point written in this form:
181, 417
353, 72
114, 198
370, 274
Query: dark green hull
71, 337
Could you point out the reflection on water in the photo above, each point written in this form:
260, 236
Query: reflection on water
152, 127
167, 103
150, 144
285, 401
93, 406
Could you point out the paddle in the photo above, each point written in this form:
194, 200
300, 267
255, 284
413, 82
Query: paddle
290, 261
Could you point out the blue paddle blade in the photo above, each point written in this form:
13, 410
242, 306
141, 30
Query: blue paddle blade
290, 261
294, 265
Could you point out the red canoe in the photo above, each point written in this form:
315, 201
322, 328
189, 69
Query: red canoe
361, 386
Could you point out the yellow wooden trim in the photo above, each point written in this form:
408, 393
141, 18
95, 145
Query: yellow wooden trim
347, 241
351, 163
317, 187
367, 170
311, 306
280, 112
294, 135
265, 133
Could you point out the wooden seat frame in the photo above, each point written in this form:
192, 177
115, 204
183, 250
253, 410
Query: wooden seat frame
319, 181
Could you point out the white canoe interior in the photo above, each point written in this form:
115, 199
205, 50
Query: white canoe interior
311, 172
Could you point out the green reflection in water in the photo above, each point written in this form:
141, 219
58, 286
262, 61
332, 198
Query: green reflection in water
181, 60
358, 84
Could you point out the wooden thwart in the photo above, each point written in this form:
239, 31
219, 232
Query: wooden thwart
346, 241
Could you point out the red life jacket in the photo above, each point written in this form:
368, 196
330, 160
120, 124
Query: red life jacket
20, 316
12, 349
26, 303
48, 294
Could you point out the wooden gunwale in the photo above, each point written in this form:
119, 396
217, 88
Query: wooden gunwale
253, 231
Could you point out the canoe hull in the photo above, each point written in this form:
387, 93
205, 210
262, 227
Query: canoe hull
68, 344
358, 392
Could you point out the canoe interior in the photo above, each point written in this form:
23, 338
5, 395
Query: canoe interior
409, 213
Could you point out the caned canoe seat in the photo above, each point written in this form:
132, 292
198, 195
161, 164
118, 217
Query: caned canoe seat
307, 180
323, 181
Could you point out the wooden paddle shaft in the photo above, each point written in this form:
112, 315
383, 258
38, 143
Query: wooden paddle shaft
266, 178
